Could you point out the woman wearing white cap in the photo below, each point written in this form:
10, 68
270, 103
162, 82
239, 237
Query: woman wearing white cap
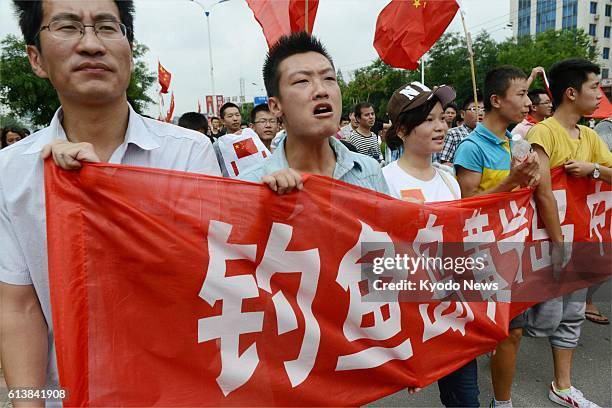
419, 127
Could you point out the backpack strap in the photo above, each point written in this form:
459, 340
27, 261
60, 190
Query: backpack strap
448, 183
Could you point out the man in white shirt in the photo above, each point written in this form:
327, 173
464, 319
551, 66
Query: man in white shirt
88, 59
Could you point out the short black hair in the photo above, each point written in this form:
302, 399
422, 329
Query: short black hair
6, 130
450, 105
259, 108
194, 121
534, 95
470, 99
288, 46
30, 15
225, 106
344, 118
497, 82
569, 73
408, 120
213, 118
359, 107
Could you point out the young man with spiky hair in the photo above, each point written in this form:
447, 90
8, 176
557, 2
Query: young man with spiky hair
560, 141
484, 164
303, 91
84, 48
231, 117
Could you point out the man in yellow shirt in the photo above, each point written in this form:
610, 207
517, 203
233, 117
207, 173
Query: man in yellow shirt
560, 141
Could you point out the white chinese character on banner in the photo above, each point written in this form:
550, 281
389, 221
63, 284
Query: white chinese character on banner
277, 260
540, 234
519, 226
475, 235
598, 204
386, 325
445, 319
236, 369
432, 234
474, 229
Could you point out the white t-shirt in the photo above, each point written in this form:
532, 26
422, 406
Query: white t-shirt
402, 185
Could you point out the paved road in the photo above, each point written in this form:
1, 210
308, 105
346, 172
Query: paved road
592, 373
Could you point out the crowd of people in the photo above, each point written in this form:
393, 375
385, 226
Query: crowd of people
433, 148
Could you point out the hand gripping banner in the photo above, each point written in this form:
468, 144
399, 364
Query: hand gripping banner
176, 289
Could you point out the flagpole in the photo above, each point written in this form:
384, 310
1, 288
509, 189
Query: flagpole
306, 16
468, 38
423, 69
161, 104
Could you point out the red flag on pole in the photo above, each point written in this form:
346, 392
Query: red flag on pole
278, 18
164, 77
199, 106
407, 29
171, 109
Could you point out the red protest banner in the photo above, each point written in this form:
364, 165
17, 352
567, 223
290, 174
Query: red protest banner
168, 290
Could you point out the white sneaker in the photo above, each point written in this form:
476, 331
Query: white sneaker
571, 399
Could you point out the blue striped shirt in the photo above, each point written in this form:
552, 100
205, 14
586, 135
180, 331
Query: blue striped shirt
352, 168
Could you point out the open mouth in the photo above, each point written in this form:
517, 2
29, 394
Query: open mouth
323, 109
438, 138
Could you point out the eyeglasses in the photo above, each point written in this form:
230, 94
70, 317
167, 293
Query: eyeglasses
473, 109
72, 30
264, 122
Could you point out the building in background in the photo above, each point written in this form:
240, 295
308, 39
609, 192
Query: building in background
530, 17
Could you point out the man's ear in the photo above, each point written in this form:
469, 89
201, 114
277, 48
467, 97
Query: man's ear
571, 93
495, 101
35, 58
274, 104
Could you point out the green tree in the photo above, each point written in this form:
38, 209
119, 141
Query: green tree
545, 49
448, 62
28, 96
245, 111
8, 120
375, 84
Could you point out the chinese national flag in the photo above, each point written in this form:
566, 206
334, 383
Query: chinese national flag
245, 148
407, 29
171, 109
164, 78
280, 17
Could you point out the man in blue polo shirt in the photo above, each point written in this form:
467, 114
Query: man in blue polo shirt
484, 164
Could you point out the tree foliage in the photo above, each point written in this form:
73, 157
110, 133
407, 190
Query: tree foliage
30, 97
448, 63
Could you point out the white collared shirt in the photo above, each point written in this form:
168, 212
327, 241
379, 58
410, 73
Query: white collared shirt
23, 243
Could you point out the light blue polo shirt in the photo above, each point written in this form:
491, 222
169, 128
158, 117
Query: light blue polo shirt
485, 153
352, 168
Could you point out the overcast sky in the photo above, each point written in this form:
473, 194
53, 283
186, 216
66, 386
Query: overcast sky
175, 31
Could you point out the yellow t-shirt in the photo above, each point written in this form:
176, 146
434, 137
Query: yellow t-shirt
560, 147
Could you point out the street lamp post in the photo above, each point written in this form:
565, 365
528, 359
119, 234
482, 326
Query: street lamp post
210, 54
